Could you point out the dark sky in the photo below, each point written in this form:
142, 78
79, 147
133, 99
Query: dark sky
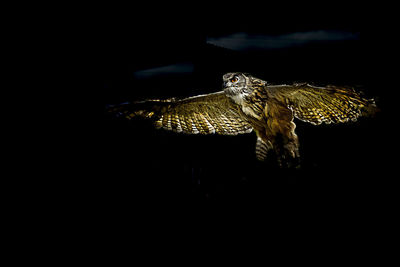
185, 53
242, 41
176, 41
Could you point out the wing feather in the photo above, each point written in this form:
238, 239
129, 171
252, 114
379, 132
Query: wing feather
318, 105
204, 114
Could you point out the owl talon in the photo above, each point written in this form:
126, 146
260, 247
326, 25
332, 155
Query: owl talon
288, 159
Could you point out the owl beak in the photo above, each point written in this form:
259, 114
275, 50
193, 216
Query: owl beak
224, 84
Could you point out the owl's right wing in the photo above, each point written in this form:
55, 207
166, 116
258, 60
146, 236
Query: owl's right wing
204, 114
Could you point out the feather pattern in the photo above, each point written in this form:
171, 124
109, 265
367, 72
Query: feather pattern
204, 114
318, 105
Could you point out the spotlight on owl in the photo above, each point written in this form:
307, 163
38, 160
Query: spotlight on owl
249, 104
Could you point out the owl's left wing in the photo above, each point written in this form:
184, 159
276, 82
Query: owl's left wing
316, 105
203, 114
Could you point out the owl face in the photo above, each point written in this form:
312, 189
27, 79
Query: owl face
235, 85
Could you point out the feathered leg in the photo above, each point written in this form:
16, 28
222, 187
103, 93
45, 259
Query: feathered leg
280, 130
262, 148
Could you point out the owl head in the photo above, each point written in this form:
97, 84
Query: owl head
236, 85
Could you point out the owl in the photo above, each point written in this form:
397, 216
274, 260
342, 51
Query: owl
248, 104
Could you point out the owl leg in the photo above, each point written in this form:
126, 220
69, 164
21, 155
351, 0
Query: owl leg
285, 142
280, 131
291, 148
262, 148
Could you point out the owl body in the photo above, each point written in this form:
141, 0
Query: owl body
270, 118
250, 104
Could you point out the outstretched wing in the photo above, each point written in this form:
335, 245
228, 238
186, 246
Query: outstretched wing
204, 114
316, 105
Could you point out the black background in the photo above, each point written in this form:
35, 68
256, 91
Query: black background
145, 172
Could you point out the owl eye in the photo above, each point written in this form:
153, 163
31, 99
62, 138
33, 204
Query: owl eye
234, 79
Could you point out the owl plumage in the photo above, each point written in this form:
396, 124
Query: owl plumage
248, 103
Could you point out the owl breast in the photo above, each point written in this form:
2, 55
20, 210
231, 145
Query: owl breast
245, 105
250, 112
237, 98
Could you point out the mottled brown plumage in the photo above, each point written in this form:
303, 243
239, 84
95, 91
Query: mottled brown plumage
247, 104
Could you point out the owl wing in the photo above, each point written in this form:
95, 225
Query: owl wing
204, 114
318, 105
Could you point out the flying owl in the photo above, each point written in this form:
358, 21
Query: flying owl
249, 104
